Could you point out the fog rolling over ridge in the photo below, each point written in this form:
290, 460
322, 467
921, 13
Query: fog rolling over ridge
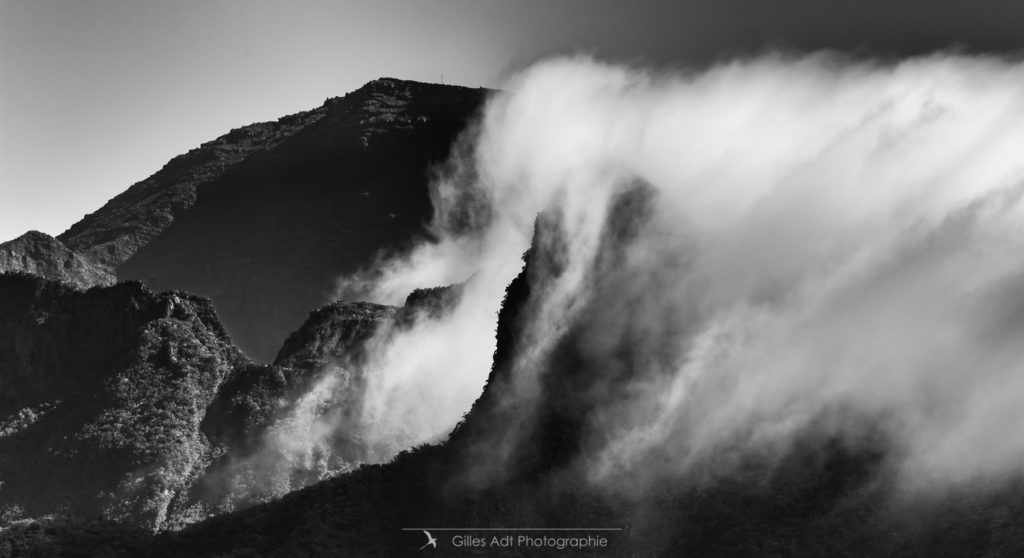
741, 254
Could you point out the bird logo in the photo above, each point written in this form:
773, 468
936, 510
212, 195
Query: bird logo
431, 541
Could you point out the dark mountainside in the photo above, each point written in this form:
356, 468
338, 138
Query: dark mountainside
826, 496
264, 219
103, 392
135, 406
130, 220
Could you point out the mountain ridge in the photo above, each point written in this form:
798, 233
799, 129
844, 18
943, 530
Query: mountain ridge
113, 232
136, 406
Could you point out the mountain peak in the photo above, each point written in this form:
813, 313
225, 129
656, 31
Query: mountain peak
35, 236
40, 254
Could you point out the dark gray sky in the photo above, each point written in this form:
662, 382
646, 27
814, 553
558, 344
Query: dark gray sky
96, 95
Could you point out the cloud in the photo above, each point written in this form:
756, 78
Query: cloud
822, 233
742, 251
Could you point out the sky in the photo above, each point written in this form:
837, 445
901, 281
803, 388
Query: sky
97, 95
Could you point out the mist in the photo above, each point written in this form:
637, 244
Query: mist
817, 238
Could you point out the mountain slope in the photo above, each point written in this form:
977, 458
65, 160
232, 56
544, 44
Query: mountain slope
113, 233
90, 251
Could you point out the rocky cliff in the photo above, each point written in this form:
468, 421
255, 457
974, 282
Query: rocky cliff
42, 255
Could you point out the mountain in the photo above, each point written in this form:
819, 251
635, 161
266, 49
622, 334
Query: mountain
133, 402
264, 219
137, 407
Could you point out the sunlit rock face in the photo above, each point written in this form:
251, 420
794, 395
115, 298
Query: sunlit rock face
42, 255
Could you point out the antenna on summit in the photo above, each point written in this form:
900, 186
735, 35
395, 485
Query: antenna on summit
442, 78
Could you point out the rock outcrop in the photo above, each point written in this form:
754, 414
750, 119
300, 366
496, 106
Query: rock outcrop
40, 254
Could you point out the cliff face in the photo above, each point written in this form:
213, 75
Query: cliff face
40, 254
